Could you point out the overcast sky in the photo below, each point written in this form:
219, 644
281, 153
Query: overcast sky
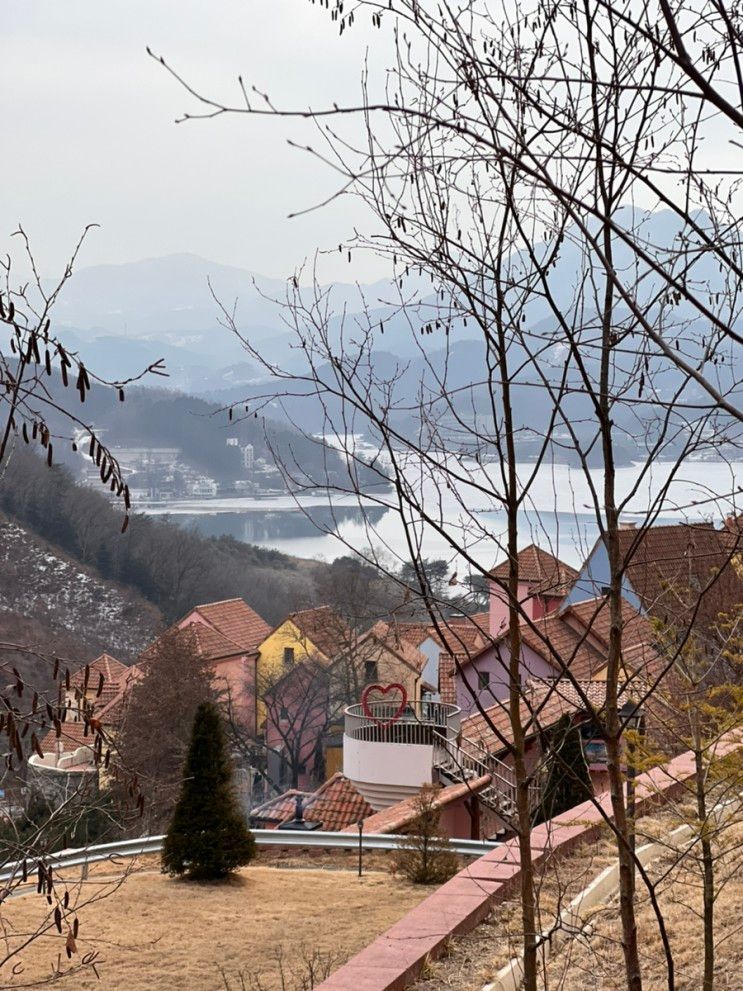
89, 132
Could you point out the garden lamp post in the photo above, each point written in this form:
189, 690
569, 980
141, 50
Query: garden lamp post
360, 827
633, 718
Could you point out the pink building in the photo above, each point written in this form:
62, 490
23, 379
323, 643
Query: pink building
227, 634
544, 581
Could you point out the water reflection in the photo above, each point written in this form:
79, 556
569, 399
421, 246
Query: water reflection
270, 528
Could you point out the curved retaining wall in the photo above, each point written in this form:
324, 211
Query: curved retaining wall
395, 959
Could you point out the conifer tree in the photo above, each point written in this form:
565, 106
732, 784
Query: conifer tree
568, 780
208, 837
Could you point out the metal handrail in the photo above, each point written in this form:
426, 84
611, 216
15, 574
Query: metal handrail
470, 756
384, 722
316, 839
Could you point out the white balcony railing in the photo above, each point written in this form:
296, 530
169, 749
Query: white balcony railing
419, 722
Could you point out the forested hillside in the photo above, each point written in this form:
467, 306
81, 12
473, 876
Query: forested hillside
52, 604
171, 567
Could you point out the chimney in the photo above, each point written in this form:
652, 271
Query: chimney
299, 822
627, 525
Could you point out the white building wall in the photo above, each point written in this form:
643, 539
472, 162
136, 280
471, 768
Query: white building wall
385, 773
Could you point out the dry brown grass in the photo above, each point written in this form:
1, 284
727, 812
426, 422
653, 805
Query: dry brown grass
597, 961
474, 959
160, 933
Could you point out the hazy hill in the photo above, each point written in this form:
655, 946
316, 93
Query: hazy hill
124, 316
170, 567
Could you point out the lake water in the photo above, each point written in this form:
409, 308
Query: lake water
558, 516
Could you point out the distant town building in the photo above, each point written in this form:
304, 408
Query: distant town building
248, 453
203, 486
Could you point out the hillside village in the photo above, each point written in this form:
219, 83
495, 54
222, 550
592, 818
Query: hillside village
335, 726
371, 538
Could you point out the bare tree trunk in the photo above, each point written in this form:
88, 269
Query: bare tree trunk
708, 868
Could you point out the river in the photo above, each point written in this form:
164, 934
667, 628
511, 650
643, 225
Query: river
558, 515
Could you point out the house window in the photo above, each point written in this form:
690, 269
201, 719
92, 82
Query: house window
594, 747
288, 657
283, 714
483, 680
371, 671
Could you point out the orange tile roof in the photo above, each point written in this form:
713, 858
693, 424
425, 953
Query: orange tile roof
336, 804
398, 816
236, 622
669, 567
324, 628
542, 706
547, 573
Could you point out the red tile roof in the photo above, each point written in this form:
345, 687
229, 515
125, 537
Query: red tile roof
323, 628
113, 672
669, 567
547, 573
236, 622
111, 713
638, 634
219, 629
542, 706
447, 677
73, 735
388, 636
106, 708
397, 817
336, 804
555, 640
276, 810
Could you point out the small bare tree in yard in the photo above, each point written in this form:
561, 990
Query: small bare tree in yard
425, 856
153, 739
310, 968
566, 264
700, 709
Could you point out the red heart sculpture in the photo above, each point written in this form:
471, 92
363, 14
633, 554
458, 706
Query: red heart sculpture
383, 690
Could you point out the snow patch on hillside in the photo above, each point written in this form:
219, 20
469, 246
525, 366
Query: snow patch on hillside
39, 584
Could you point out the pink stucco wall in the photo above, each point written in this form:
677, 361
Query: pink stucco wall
494, 661
235, 674
457, 822
535, 606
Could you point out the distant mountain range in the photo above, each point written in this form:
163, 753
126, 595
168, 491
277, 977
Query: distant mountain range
123, 317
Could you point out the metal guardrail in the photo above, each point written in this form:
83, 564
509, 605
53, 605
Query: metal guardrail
317, 839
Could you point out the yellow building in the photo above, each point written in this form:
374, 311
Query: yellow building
317, 634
